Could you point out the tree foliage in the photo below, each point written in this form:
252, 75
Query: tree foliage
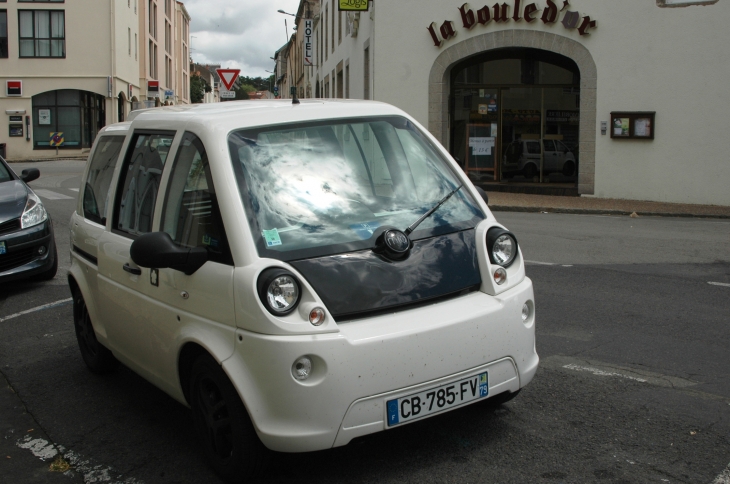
198, 88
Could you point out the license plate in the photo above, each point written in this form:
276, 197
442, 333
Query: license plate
437, 399
2, 247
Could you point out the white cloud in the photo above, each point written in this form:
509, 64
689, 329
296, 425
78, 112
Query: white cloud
239, 34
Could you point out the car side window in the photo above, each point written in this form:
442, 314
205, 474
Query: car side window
96, 191
192, 215
548, 144
139, 182
4, 174
533, 147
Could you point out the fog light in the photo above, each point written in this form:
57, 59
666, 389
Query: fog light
41, 250
525, 312
316, 316
500, 276
302, 368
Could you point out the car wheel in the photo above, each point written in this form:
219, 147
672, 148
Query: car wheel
95, 355
501, 399
224, 428
51, 272
569, 168
530, 171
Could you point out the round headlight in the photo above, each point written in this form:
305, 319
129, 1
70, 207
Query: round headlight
279, 291
502, 246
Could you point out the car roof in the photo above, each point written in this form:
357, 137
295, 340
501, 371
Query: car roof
242, 114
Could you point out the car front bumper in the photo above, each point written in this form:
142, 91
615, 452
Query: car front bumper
369, 361
22, 259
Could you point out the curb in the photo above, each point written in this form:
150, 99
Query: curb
590, 211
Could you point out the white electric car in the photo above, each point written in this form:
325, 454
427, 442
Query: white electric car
298, 274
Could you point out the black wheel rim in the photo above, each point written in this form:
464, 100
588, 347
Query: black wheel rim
213, 418
85, 331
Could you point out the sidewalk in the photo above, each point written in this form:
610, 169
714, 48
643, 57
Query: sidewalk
520, 202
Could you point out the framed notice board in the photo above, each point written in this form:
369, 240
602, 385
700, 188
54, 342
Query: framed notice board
633, 124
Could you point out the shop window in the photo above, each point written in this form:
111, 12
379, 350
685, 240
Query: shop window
3, 34
78, 115
42, 33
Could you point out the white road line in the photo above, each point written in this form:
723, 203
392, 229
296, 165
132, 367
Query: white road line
90, 471
48, 194
599, 372
74, 189
724, 284
540, 263
724, 477
39, 308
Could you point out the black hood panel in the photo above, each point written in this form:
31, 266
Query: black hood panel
362, 282
13, 195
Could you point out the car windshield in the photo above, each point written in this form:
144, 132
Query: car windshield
325, 188
4, 174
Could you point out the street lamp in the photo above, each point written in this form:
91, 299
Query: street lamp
270, 80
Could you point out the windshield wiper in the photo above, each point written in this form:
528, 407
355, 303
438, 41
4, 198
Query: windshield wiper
415, 224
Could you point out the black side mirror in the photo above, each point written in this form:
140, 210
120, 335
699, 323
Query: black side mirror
483, 194
30, 174
157, 250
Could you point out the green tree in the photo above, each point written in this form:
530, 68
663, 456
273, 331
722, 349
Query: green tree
198, 88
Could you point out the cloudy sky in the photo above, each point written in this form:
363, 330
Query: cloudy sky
239, 34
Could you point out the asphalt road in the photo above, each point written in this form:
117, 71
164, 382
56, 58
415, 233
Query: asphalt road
633, 385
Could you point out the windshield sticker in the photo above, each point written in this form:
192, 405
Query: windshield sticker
365, 230
271, 237
210, 241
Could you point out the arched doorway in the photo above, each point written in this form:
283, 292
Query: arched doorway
515, 116
463, 55
79, 115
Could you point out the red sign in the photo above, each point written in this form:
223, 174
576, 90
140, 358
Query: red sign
153, 86
13, 88
228, 76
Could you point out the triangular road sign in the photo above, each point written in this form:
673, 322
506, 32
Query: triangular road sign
228, 76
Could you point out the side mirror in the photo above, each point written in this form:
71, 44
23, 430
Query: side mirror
483, 194
30, 174
157, 250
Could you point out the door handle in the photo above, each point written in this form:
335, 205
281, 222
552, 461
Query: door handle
132, 270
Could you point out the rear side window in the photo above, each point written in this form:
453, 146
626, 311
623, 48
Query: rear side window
98, 182
139, 182
192, 216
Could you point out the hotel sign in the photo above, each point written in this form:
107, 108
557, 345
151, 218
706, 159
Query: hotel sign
519, 11
308, 44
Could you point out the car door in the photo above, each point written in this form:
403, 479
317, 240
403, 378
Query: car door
550, 163
124, 289
199, 306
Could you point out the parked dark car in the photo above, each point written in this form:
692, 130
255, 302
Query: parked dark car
27, 246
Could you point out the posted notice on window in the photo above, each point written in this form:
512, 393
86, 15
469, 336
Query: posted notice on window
481, 145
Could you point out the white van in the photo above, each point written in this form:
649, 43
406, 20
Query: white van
522, 157
298, 274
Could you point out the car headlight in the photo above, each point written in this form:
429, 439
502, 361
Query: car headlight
279, 291
34, 212
501, 246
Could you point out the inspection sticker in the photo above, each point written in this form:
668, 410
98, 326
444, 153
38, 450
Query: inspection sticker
271, 237
2, 247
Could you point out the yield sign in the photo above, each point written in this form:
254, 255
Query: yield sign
228, 76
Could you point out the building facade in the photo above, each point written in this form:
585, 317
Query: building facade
619, 99
69, 68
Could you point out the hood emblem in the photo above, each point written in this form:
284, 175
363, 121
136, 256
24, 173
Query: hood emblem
394, 244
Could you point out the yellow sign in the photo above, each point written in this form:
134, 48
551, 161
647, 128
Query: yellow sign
354, 5
57, 139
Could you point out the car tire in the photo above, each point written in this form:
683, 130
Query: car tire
51, 272
222, 424
96, 356
501, 399
530, 171
569, 168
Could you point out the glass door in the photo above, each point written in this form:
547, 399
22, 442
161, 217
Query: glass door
476, 120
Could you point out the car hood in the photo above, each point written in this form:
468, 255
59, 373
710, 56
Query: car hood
13, 195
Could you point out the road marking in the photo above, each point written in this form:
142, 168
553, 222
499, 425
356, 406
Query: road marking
74, 189
62, 302
540, 263
724, 477
90, 471
51, 195
724, 284
599, 372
